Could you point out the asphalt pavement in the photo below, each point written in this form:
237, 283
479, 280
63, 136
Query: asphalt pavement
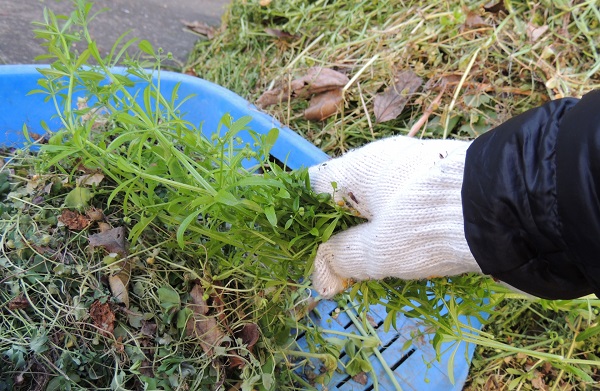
158, 21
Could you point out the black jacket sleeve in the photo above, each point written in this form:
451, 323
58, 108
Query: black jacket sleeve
531, 199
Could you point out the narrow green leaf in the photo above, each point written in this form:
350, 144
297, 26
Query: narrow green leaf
271, 216
83, 57
587, 333
225, 197
327, 232
256, 180
185, 224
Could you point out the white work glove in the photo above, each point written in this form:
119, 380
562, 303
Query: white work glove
409, 191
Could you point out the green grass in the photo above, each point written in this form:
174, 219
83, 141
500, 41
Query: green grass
494, 67
203, 231
510, 72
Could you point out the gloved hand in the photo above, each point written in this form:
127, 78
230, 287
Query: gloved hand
409, 190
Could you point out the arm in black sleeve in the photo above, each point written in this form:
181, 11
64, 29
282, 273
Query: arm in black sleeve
531, 199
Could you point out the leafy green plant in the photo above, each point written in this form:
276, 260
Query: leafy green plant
210, 246
223, 288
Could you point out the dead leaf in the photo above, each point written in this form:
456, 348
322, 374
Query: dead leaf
316, 81
372, 321
201, 326
360, 378
249, 335
90, 179
534, 32
18, 303
39, 138
73, 220
281, 34
236, 361
324, 105
264, 3
113, 240
474, 20
95, 214
118, 279
149, 329
219, 305
103, 227
200, 28
85, 170
496, 8
103, 317
191, 72
389, 104
538, 381
118, 286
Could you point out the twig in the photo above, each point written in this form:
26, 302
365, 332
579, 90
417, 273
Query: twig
417, 125
360, 72
457, 91
364, 105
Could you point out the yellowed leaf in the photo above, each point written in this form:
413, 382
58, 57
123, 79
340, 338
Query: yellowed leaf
118, 287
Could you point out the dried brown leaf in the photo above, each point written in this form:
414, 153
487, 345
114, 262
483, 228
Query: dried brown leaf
37, 137
201, 326
103, 317
250, 334
103, 227
19, 302
219, 305
113, 240
389, 104
360, 378
474, 20
538, 382
90, 179
73, 220
236, 361
95, 214
281, 34
264, 3
324, 105
118, 286
200, 28
316, 81
149, 329
534, 32
496, 8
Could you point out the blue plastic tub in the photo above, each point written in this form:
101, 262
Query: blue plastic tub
407, 351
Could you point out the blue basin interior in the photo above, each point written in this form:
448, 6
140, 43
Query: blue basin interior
407, 351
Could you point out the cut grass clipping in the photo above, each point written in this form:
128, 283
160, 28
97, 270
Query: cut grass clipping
138, 254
